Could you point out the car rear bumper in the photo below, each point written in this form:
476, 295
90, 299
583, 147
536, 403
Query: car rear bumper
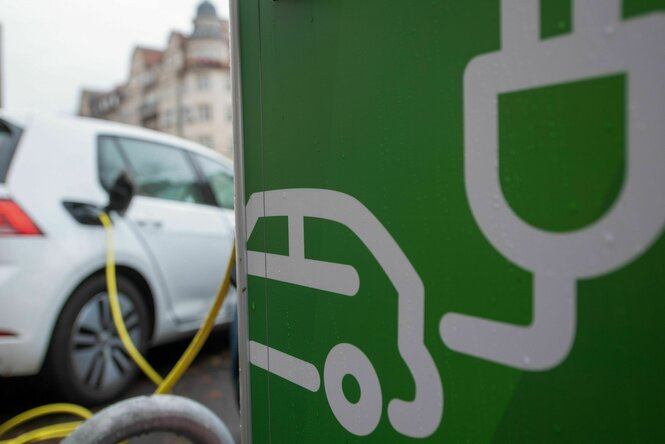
30, 270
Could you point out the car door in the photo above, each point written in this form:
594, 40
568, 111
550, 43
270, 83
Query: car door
183, 230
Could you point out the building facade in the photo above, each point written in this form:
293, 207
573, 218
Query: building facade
184, 90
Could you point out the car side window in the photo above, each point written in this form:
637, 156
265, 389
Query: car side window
219, 179
162, 171
111, 162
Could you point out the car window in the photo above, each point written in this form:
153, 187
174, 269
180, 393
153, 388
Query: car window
162, 171
111, 162
219, 179
8, 140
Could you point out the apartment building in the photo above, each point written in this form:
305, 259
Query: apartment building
184, 89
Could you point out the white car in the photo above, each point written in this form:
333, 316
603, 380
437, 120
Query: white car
171, 247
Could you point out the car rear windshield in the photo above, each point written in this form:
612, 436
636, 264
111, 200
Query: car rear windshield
9, 135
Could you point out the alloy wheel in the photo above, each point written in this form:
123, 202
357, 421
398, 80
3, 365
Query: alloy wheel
99, 358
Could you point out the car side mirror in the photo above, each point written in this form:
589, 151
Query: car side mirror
121, 194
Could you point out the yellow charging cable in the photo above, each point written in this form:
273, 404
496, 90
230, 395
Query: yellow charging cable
111, 283
202, 335
48, 432
164, 385
61, 430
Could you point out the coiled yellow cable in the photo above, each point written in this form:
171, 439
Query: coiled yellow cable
49, 409
54, 431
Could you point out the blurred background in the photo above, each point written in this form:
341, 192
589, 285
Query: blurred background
156, 64
145, 63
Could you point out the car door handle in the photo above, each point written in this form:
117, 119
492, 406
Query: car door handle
150, 223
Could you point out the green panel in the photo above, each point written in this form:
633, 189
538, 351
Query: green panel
253, 177
366, 98
555, 17
277, 242
351, 388
611, 387
634, 8
561, 151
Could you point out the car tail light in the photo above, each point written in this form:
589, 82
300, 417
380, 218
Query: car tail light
14, 221
4, 333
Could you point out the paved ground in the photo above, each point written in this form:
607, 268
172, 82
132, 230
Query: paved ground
208, 381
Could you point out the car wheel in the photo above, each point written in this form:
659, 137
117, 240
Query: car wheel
87, 362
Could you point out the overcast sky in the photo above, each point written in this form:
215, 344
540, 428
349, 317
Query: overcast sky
53, 48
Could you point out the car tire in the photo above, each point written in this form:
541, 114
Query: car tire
87, 362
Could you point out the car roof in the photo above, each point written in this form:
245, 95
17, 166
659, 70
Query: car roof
18, 119
87, 124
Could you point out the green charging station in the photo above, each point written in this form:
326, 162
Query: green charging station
450, 219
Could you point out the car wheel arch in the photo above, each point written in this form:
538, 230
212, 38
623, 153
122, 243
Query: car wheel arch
145, 290
135, 277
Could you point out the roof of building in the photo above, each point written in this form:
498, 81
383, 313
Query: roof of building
150, 56
206, 8
206, 23
177, 35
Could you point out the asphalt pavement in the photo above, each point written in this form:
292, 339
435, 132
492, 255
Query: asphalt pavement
208, 381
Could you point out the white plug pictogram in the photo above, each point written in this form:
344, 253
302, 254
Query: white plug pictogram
600, 45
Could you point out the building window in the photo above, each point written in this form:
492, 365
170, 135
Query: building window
204, 112
202, 82
206, 141
167, 119
186, 115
